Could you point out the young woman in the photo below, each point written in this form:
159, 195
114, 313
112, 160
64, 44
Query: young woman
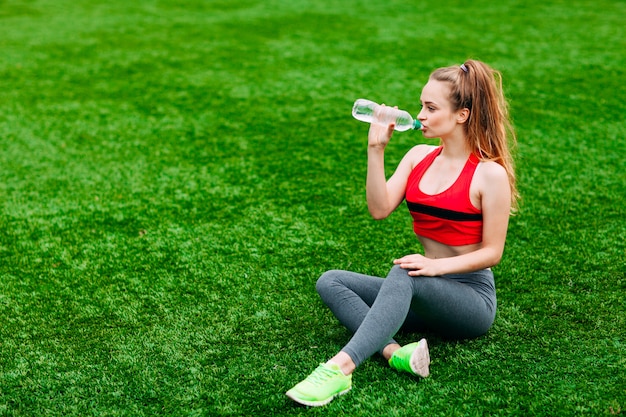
460, 195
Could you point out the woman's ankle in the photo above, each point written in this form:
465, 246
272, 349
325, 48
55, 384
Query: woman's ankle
344, 361
389, 349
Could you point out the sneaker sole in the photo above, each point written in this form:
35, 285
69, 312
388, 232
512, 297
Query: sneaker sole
420, 359
316, 403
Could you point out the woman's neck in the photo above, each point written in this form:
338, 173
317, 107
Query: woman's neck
455, 147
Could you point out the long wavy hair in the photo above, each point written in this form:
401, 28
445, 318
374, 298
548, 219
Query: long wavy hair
478, 87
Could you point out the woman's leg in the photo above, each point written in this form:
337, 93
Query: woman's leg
348, 295
374, 309
459, 306
383, 318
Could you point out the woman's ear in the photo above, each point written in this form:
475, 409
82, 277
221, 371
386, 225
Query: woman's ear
463, 115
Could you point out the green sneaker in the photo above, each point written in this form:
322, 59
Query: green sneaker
325, 383
413, 358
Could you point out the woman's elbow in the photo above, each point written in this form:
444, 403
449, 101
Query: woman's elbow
378, 214
494, 257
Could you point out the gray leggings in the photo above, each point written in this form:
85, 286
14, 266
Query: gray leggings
459, 306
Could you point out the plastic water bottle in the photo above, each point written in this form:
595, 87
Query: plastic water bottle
370, 112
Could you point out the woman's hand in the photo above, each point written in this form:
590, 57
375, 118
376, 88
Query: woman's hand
419, 265
379, 135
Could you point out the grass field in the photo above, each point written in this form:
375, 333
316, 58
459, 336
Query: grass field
174, 176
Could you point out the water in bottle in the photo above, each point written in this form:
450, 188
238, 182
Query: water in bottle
370, 112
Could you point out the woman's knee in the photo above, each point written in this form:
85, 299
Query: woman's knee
398, 274
326, 281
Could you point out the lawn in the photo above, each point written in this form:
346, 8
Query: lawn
175, 176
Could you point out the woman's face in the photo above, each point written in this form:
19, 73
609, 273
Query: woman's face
437, 118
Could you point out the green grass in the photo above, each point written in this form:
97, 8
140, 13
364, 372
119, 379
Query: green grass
174, 176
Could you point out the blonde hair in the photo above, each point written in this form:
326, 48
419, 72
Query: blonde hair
478, 87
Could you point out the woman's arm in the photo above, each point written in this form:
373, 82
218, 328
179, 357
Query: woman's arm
383, 196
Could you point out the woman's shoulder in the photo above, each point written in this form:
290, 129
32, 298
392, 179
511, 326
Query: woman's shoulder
423, 148
491, 172
419, 152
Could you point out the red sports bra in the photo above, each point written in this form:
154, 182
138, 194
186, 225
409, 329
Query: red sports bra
448, 217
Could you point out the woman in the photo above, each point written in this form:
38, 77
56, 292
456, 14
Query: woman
460, 195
